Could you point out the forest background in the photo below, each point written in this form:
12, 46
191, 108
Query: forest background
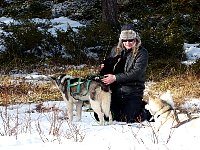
164, 27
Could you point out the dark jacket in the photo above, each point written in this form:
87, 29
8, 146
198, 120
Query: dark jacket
132, 80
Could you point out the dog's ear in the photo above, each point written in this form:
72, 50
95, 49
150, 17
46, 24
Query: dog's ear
146, 98
52, 77
55, 76
149, 95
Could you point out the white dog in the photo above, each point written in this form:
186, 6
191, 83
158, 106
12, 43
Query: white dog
163, 111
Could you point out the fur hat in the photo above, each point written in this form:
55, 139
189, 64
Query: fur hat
127, 33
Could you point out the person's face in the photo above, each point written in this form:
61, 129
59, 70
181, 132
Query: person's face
129, 43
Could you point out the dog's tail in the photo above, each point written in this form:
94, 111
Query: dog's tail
167, 97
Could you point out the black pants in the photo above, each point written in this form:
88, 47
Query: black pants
128, 109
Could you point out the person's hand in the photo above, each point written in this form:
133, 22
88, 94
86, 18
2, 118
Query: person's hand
109, 78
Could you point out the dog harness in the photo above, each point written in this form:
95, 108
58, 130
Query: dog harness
78, 86
80, 81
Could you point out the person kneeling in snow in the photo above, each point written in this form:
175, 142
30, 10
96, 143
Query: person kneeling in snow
127, 77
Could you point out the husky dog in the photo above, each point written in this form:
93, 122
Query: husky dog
77, 90
163, 112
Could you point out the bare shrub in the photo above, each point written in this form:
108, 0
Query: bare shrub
74, 132
59, 129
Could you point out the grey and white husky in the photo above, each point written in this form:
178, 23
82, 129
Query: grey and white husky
164, 112
77, 90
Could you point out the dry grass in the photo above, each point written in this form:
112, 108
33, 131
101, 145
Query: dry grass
17, 90
24, 92
84, 72
183, 87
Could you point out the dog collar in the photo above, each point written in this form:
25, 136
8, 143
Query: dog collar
164, 112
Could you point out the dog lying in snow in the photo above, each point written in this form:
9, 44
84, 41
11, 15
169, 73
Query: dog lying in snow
163, 111
77, 90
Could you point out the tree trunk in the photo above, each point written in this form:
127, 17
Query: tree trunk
109, 12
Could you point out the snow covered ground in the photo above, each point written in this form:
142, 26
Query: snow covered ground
24, 126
